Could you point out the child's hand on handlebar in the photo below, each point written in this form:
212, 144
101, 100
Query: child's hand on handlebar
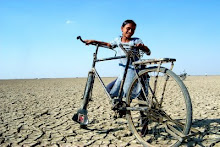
139, 45
144, 48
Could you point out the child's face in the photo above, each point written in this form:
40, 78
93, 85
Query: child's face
128, 30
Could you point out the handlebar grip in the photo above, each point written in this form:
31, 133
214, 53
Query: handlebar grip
79, 38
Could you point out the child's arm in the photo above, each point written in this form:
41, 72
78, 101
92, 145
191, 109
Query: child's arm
98, 42
144, 48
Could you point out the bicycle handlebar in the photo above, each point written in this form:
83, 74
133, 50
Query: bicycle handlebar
99, 44
79, 38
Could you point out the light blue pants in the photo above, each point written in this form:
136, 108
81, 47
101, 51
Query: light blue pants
129, 78
114, 92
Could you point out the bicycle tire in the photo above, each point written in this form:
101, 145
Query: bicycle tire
155, 133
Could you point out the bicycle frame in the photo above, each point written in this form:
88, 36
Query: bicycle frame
93, 72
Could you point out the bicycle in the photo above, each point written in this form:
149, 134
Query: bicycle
148, 104
183, 75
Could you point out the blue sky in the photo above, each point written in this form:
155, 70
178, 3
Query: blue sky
38, 37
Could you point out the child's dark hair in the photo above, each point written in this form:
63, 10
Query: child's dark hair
127, 22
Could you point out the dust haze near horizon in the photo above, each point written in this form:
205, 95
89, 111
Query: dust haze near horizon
38, 38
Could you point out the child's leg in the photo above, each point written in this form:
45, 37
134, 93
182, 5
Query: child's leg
115, 89
129, 78
110, 85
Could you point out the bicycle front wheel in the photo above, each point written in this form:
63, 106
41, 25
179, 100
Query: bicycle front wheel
161, 115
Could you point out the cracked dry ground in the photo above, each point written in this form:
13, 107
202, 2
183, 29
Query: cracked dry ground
39, 112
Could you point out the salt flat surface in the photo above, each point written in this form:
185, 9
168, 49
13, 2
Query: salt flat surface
39, 112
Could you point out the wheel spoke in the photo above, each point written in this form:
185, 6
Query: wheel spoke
161, 116
174, 132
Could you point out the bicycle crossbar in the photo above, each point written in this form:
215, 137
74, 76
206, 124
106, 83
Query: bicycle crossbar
154, 61
111, 58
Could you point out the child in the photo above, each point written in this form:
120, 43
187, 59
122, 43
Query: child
128, 28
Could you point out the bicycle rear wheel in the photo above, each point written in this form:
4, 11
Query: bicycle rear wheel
165, 121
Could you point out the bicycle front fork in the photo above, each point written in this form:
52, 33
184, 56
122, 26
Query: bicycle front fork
88, 90
81, 115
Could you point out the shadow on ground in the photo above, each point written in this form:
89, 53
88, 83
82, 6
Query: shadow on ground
208, 135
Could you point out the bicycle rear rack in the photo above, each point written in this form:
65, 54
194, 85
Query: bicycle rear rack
154, 61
